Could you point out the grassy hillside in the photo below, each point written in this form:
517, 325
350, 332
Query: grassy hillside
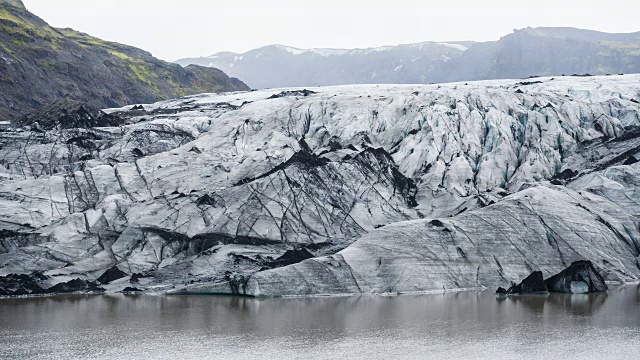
40, 64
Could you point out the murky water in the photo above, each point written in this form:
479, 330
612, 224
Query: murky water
448, 326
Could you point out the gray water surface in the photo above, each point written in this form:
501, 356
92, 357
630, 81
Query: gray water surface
447, 326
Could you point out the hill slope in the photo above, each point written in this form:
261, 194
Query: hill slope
40, 64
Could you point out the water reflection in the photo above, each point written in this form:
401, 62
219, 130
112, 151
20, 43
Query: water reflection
586, 304
448, 325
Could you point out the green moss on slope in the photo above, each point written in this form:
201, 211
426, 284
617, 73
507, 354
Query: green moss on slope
48, 64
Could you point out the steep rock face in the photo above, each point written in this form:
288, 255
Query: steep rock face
204, 191
40, 64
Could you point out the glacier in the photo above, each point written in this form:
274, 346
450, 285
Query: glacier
392, 188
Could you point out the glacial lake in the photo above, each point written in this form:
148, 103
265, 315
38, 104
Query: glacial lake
447, 326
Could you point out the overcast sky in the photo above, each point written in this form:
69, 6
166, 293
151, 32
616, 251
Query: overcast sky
173, 29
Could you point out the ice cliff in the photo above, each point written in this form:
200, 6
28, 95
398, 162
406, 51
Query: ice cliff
393, 188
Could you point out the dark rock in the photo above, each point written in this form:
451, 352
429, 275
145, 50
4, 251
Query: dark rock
135, 277
137, 153
130, 289
138, 108
21, 291
532, 284
243, 260
302, 158
85, 142
501, 291
68, 114
292, 257
579, 278
304, 93
630, 161
556, 182
112, 274
206, 199
238, 284
39, 276
23, 284
567, 174
525, 83
76, 285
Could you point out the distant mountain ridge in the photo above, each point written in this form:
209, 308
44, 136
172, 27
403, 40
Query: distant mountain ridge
549, 51
282, 66
40, 64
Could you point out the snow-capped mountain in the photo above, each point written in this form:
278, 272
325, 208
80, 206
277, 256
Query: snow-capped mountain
281, 66
334, 190
526, 52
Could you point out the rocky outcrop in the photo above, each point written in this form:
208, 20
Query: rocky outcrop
130, 290
135, 278
579, 278
74, 286
68, 114
291, 257
532, 284
392, 189
40, 64
21, 284
110, 275
37, 284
